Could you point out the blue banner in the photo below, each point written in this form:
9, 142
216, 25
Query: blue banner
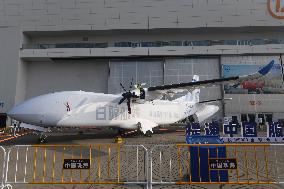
248, 132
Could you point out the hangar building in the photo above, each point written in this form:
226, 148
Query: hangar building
93, 45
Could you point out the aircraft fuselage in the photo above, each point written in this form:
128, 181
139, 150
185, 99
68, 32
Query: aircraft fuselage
79, 109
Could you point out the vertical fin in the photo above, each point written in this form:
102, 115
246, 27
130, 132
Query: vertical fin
195, 93
191, 96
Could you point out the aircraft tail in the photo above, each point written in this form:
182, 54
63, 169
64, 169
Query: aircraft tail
195, 95
191, 96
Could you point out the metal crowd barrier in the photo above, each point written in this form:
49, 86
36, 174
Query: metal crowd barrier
100, 164
252, 163
2, 166
115, 164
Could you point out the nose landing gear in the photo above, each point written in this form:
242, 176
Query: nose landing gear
42, 137
148, 133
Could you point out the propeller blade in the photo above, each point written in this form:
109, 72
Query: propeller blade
121, 100
128, 106
123, 87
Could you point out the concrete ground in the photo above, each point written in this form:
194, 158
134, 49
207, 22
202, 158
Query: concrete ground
168, 165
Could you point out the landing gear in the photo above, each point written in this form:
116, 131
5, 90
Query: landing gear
148, 133
41, 137
15, 128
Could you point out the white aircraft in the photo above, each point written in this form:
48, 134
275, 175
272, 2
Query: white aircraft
140, 108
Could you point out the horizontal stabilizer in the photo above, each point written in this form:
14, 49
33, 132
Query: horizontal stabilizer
219, 99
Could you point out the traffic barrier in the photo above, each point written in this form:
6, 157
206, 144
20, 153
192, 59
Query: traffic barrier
237, 164
76, 164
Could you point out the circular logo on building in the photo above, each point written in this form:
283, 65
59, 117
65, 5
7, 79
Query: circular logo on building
276, 8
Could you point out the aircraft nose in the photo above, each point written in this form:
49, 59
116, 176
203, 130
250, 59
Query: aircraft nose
16, 112
26, 113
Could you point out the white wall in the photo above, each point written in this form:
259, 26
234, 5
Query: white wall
139, 36
254, 103
33, 15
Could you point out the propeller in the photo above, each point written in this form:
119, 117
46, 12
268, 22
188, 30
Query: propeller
127, 95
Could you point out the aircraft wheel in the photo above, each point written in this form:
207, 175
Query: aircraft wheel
148, 133
42, 139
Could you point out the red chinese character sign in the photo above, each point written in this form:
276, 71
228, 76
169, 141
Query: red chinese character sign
255, 103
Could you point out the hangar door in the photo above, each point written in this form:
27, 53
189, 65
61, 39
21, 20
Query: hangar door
66, 75
179, 70
165, 71
149, 71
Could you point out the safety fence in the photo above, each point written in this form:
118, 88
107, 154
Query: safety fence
75, 164
217, 164
2, 166
116, 164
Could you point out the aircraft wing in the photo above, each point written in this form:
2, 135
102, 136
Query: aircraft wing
181, 87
